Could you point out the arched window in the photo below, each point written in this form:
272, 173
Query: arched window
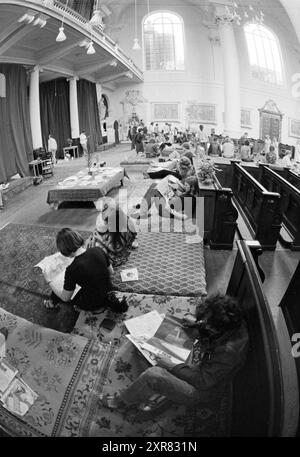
264, 54
163, 41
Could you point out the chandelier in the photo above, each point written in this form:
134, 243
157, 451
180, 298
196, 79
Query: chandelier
233, 12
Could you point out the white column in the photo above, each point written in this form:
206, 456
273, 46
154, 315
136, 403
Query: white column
232, 83
74, 118
34, 108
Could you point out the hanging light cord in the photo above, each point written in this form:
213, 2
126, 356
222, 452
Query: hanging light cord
64, 13
135, 15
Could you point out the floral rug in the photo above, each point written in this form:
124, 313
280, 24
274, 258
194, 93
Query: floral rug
127, 364
66, 371
22, 286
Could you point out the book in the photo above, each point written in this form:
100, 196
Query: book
131, 274
170, 339
54, 267
145, 325
18, 397
7, 374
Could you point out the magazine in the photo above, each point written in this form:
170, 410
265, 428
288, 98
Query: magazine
18, 397
54, 267
131, 274
170, 339
7, 374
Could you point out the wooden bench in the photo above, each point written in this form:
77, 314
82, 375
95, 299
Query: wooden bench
289, 206
258, 392
291, 310
220, 215
259, 207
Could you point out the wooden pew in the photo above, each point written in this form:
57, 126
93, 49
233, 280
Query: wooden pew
289, 202
220, 215
259, 208
258, 390
291, 311
289, 175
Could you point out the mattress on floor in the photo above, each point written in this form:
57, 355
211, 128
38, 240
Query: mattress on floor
166, 265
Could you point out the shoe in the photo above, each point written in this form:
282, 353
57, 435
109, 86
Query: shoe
155, 405
135, 244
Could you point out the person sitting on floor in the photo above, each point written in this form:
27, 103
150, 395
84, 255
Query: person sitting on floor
115, 234
219, 351
90, 270
180, 169
172, 196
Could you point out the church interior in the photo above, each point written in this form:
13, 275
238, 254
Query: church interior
149, 192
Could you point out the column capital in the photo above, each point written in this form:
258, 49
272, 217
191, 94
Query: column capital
73, 78
36, 68
226, 16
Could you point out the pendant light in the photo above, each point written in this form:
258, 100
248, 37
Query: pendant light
97, 15
136, 44
61, 35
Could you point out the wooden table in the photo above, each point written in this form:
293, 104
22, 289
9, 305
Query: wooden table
84, 187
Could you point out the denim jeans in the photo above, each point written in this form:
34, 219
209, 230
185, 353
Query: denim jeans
156, 380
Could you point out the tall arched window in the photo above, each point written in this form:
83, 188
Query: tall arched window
264, 54
163, 41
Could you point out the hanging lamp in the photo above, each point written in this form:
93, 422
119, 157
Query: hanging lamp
61, 34
97, 15
136, 45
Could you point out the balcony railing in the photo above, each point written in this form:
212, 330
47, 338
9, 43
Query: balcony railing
97, 32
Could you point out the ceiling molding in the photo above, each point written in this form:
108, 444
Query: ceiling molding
93, 68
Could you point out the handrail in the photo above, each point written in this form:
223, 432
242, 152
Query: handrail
255, 182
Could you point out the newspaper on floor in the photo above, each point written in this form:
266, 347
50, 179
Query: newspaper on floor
19, 397
53, 268
7, 374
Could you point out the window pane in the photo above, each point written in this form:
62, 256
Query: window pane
264, 54
163, 42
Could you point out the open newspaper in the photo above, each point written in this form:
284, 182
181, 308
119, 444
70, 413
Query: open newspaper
15, 394
54, 267
155, 334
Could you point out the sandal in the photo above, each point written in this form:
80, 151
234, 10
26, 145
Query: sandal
153, 406
112, 402
50, 305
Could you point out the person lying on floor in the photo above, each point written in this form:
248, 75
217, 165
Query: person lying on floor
115, 234
171, 196
219, 351
180, 169
90, 270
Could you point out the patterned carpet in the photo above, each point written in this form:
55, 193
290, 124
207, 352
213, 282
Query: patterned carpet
22, 287
166, 265
67, 372
178, 421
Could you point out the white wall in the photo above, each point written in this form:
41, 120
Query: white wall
202, 80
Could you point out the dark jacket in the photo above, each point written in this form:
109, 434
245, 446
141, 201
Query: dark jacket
213, 374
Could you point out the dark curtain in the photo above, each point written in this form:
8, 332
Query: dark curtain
55, 112
89, 119
15, 130
83, 7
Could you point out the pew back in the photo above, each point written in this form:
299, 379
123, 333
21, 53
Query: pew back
259, 207
258, 408
289, 202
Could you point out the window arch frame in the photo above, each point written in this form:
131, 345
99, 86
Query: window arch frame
278, 44
144, 42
